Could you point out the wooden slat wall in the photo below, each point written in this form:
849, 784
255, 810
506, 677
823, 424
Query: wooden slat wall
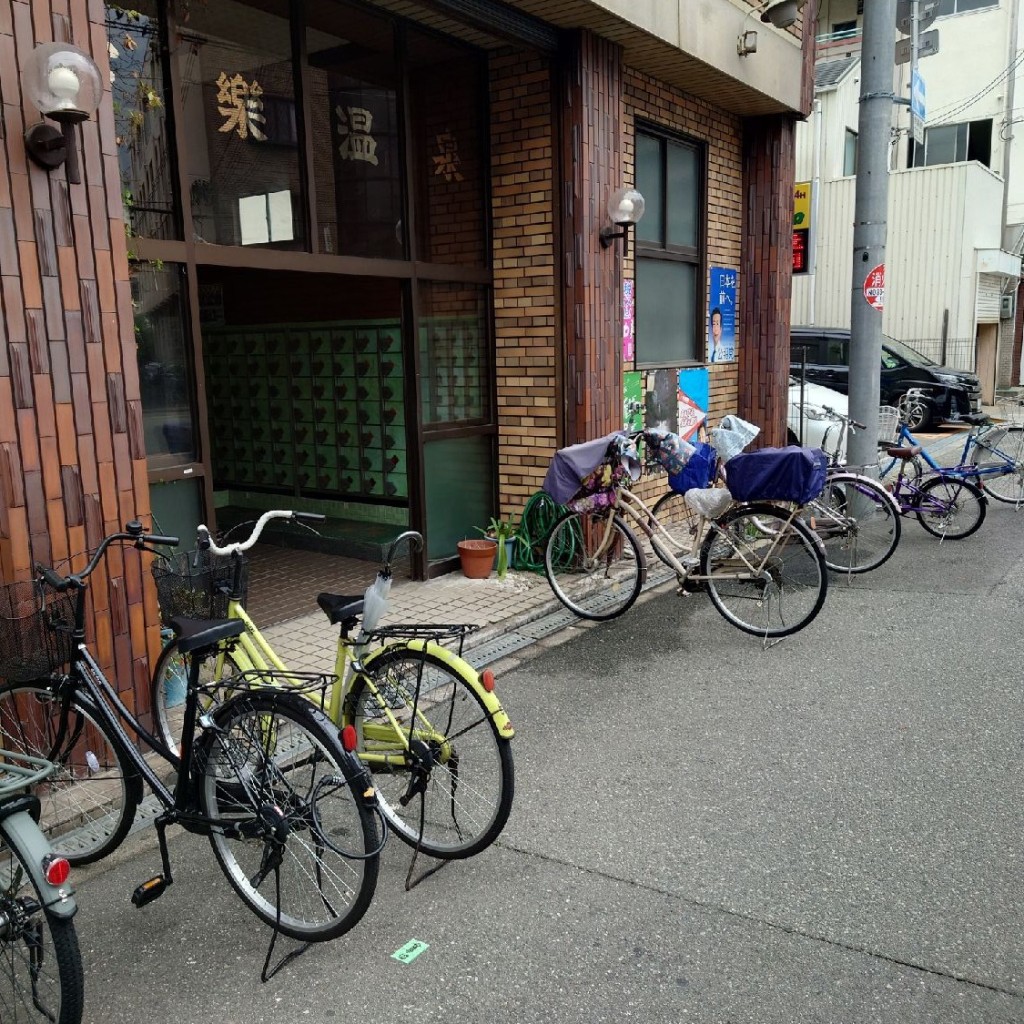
591, 143
768, 175
70, 471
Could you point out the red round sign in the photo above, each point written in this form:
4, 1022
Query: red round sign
874, 287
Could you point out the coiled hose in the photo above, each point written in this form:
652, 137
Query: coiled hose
539, 516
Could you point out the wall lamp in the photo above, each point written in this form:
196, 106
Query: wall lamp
63, 83
780, 13
625, 208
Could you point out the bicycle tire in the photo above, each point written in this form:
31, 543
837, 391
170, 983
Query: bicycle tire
960, 500
854, 541
462, 814
263, 767
88, 804
41, 973
596, 589
167, 691
1008, 488
793, 564
679, 521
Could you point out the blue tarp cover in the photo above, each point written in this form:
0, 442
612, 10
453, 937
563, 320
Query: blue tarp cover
778, 474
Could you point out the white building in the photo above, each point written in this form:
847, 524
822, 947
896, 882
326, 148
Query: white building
956, 203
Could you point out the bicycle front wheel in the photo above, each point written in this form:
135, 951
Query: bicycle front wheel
1008, 487
170, 682
444, 776
40, 962
950, 508
292, 831
89, 802
593, 562
857, 520
765, 573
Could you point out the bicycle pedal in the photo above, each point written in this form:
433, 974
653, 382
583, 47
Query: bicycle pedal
149, 891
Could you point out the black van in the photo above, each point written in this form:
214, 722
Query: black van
949, 394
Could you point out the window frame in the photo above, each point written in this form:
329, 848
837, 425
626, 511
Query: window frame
694, 256
983, 5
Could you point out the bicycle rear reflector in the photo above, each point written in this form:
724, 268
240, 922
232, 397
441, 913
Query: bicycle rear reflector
487, 678
56, 869
349, 739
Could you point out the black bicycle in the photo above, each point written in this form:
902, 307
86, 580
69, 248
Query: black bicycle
289, 811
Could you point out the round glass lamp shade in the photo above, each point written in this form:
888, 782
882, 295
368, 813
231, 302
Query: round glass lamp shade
62, 81
626, 206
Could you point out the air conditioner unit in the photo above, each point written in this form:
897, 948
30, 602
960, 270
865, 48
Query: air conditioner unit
1007, 305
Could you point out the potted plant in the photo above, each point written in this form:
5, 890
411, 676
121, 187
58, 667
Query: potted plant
477, 557
503, 531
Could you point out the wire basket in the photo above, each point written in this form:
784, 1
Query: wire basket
197, 585
35, 631
888, 424
1010, 407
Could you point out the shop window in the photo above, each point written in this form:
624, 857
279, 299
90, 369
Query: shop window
669, 264
165, 364
445, 86
240, 124
142, 123
455, 365
353, 103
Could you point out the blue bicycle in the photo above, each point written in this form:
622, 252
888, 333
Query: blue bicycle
992, 457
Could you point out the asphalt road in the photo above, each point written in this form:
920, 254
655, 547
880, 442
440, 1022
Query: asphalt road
705, 831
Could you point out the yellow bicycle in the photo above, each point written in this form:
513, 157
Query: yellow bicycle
427, 725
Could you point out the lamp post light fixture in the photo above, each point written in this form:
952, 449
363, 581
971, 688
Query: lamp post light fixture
63, 83
625, 208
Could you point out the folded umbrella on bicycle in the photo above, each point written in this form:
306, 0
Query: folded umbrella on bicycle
581, 466
778, 474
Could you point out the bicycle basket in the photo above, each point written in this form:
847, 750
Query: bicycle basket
196, 585
888, 425
778, 474
35, 631
698, 472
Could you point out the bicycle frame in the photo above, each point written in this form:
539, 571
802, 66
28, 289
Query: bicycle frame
635, 509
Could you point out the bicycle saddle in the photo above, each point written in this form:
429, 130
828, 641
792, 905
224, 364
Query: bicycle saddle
904, 453
201, 634
340, 609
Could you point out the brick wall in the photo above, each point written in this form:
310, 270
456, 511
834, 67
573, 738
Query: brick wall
72, 464
648, 100
526, 326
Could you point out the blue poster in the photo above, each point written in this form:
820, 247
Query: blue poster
722, 316
692, 400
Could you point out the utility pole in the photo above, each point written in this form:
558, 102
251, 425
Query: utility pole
869, 225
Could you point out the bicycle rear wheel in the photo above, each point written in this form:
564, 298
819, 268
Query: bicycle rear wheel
40, 962
679, 521
1009, 487
950, 508
89, 802
285, 793
765, 573
594, 575
857, 520
455, 766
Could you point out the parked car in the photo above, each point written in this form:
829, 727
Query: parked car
805, 420
948, 393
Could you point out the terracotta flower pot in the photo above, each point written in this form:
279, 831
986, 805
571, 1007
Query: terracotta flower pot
477, 557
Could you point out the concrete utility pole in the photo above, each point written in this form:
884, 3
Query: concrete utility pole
869, 225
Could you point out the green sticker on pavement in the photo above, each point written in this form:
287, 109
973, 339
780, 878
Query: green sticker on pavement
410, 951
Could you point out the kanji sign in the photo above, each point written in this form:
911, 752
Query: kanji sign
874, 287
241, 103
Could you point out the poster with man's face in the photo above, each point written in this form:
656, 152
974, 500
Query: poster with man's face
722, 315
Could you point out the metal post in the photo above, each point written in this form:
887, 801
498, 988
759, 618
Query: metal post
869, 229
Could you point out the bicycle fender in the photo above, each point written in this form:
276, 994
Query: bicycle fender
22, 833
463, 668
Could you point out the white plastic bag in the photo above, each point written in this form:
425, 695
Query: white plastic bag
375, 602
731, 436
709, 502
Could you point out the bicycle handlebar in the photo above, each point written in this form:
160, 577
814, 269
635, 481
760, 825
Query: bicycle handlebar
206, 542
133, 533
415, 540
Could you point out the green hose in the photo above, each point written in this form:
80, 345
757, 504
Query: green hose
539, 516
